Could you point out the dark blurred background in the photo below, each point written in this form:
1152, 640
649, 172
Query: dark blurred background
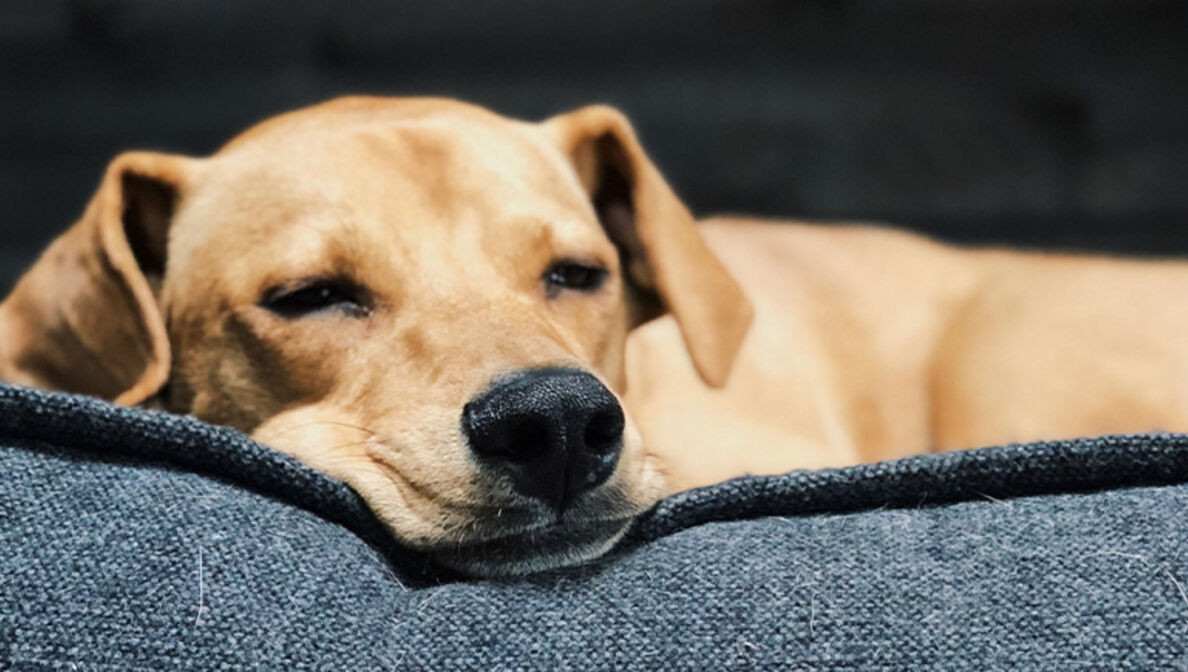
1040, 123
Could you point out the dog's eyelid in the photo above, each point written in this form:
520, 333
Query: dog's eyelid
315, 295
581, 275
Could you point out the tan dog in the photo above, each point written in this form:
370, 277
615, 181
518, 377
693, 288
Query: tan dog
443, 308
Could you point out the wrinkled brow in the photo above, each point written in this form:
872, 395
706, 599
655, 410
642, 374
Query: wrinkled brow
330, 244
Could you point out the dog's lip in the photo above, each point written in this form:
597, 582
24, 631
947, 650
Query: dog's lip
512, 539
505, 522
490, 513
549, 526
536, 549
403, 483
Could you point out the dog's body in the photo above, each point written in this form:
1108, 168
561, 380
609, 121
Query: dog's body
871, 344
444, 308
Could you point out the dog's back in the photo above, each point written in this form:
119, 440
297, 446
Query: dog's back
872, 343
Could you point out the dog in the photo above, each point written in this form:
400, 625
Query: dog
512, 338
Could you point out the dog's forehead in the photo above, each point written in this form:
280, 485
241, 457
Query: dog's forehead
361, 111
361, 178
421, 157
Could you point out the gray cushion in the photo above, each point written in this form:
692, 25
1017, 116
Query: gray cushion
138, 540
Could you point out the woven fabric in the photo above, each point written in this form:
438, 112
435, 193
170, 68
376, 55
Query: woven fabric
137, 540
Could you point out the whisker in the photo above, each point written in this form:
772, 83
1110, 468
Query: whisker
348, 444
370, 432
346, 424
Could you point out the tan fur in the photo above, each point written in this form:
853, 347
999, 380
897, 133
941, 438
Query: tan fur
843, 344
871, 344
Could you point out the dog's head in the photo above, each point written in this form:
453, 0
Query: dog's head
417, 296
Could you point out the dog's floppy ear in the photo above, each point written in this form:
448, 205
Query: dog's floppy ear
85, 317
662, 250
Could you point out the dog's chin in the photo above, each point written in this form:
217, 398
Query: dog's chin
536, 550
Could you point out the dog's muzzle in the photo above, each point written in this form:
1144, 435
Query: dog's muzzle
556, 432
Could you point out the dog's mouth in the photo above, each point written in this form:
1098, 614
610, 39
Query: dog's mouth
519, 536
526, 541
548, 546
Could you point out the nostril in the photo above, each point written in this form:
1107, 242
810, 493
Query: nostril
604, 431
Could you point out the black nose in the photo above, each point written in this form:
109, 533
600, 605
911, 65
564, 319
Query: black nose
556, 432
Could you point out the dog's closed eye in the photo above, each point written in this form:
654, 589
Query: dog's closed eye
577, 276
319, 295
